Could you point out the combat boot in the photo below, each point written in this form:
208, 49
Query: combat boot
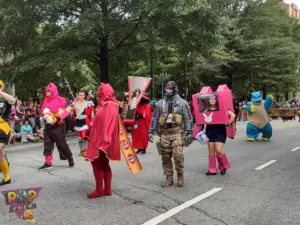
180, 179
168, 182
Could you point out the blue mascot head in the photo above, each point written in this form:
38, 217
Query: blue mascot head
256, 97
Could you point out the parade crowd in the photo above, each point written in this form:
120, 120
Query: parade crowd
209, 119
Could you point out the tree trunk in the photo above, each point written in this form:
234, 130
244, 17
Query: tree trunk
35, 94
230, 81
286, 95
152, 71
104, 55
264, 91
104, 60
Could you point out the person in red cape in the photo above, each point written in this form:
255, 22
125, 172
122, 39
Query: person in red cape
104, 142
141, 125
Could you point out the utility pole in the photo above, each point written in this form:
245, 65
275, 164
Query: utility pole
152, 71
151, 50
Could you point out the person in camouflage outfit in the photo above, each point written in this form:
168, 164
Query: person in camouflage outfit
173, 122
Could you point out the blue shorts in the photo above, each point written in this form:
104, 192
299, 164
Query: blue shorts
217, 138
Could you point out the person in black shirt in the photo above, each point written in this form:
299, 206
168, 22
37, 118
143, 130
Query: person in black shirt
216, 134
236, 106
6, 101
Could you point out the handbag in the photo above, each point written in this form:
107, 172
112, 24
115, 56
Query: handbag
196, 130
202, 138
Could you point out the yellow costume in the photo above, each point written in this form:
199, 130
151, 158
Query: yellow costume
5, 129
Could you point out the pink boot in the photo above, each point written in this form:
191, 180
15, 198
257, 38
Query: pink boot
223, 163
49, 159
221, 166
212, 170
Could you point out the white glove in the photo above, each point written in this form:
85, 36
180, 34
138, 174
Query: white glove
48, 116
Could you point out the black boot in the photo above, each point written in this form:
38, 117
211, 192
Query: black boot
210, 174
5, 182
223, 171
143, 151
71, 162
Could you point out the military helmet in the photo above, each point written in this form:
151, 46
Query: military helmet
171, 89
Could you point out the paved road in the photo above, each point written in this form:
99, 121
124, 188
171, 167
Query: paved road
244, 196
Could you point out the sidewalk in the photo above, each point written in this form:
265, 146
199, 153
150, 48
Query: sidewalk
72, 138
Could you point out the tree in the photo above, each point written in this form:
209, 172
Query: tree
268, 55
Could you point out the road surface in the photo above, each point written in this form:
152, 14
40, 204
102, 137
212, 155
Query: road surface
261, 188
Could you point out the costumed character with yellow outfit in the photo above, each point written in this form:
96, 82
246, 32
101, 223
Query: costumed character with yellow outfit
6, 101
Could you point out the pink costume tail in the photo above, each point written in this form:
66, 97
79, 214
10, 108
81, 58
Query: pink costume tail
223, 162
48, 159
212, 163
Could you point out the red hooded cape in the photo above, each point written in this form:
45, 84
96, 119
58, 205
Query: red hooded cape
140, 135
104, 134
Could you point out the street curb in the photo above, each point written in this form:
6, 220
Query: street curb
15, 147
34, 145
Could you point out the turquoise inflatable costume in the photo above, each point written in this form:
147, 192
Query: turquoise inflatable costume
259, 121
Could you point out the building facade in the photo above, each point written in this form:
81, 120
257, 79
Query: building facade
291, 9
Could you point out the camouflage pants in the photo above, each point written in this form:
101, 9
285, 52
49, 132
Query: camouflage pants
172, 145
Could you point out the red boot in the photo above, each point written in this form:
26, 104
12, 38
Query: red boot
98, 174
107, 177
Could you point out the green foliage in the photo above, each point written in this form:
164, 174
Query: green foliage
247, 44
267, 52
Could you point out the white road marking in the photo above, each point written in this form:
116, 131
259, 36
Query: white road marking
265, 165
181, 207
295, 149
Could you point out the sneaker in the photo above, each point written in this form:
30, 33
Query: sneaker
5, 182
223, 172
46, 166
143, 151
82, 153
138, 151
210, 174
71, 162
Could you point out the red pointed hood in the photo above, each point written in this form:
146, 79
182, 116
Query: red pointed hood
53, 89
106, 94
55, 102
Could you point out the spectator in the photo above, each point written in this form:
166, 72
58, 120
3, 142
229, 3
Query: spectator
12, 137
25, 133
235, 107
20, 110
31, 115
